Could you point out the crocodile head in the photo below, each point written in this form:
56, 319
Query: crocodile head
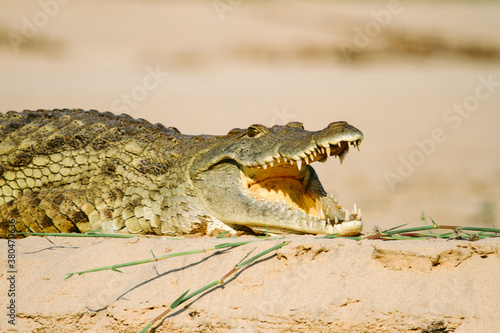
261, 178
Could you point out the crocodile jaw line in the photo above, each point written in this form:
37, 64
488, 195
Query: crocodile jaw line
291, 185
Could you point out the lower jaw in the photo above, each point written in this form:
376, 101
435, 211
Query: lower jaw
349, 228
276, 217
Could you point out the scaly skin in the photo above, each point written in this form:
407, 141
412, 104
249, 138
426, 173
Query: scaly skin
76, 171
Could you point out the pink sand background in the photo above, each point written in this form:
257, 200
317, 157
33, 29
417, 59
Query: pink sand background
270, 62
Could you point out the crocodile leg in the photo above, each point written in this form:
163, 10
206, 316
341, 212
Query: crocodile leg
47, 211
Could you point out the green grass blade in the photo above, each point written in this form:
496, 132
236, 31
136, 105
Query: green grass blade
184, 298
222, 234
172, 306
208, 286
330, 236
434, 223
246, 256
224, 245
399, 226
178, 300
50, 241
394, 237
261, 254
93, 233
146, 328
446, 235
423, 218
400, 231
333, 236
58, 234
171, 255
480, 229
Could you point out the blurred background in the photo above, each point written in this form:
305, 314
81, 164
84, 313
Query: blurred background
421, 79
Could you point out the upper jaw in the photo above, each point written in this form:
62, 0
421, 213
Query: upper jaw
316, 153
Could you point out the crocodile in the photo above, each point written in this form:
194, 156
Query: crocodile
76, 171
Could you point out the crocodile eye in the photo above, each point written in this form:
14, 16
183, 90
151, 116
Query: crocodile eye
256, 130
252, 131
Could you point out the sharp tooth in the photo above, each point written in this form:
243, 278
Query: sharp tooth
336, 220
265, 166
339, 206
285, 160
341, 157
328, 150
346, 218
271, 164
340, 145
299, 164
355, 209
277, 201
314, 152
358, 217
321, 213
284, 201
278, 160
306, 160
328, 220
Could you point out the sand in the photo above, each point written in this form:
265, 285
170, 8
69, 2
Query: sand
422, 85
310, 285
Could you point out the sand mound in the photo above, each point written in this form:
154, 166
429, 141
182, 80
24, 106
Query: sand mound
310, 285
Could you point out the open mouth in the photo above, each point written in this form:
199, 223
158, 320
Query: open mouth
262, 180
290, 182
